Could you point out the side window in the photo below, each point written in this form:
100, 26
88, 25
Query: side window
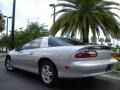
32, 45
36, 43
52, 42
27, 46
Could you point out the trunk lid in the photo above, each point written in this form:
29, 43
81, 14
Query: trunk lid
103, 52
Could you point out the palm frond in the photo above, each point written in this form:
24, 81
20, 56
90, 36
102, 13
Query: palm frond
109, 3
79, 16
64, 11
66, 5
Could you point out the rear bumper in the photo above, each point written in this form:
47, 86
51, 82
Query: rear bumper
77, 69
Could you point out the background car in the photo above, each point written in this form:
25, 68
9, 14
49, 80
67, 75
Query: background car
53, 57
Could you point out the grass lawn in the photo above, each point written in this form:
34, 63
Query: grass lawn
118, 66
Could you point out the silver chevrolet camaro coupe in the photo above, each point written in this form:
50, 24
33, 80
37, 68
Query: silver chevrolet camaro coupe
53, 57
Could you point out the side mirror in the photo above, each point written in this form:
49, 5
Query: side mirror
18, 49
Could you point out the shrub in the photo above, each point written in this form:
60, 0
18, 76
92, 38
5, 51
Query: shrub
118, 66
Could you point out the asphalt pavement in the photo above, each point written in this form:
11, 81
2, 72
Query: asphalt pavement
21, 80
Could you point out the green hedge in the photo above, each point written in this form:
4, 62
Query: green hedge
115, 49
118, 66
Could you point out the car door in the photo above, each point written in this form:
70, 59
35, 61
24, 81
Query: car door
26, 57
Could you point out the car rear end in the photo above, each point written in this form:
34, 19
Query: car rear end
89, 61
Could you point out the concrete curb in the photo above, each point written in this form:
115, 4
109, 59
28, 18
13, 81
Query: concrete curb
117, 71
110, 76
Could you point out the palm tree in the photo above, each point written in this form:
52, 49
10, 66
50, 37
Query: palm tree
101, 40
4, 42
81, 16
108, 40
93, 40
2, 22
34, 30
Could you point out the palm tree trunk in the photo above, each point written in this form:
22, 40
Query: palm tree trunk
81, 36
86, 32
6, 49
85, 36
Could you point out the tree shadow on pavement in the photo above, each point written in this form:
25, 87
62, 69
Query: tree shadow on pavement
84, 84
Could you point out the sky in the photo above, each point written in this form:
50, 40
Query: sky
34, 10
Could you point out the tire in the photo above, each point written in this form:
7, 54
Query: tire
9, 64
48, 73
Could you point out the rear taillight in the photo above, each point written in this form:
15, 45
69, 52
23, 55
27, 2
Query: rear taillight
86, 54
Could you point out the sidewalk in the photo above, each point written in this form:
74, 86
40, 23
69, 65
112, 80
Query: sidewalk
113, 75
2, 54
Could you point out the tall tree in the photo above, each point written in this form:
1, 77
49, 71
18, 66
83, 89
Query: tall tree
94, 40
101, 40
81, 16
108, 40
33, 31
2, 22
4, 41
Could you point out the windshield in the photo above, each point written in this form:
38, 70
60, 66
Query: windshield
53, 41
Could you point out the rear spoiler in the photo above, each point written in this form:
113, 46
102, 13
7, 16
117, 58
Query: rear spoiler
98, 48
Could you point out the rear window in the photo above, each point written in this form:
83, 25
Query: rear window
59, 41
71, 41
